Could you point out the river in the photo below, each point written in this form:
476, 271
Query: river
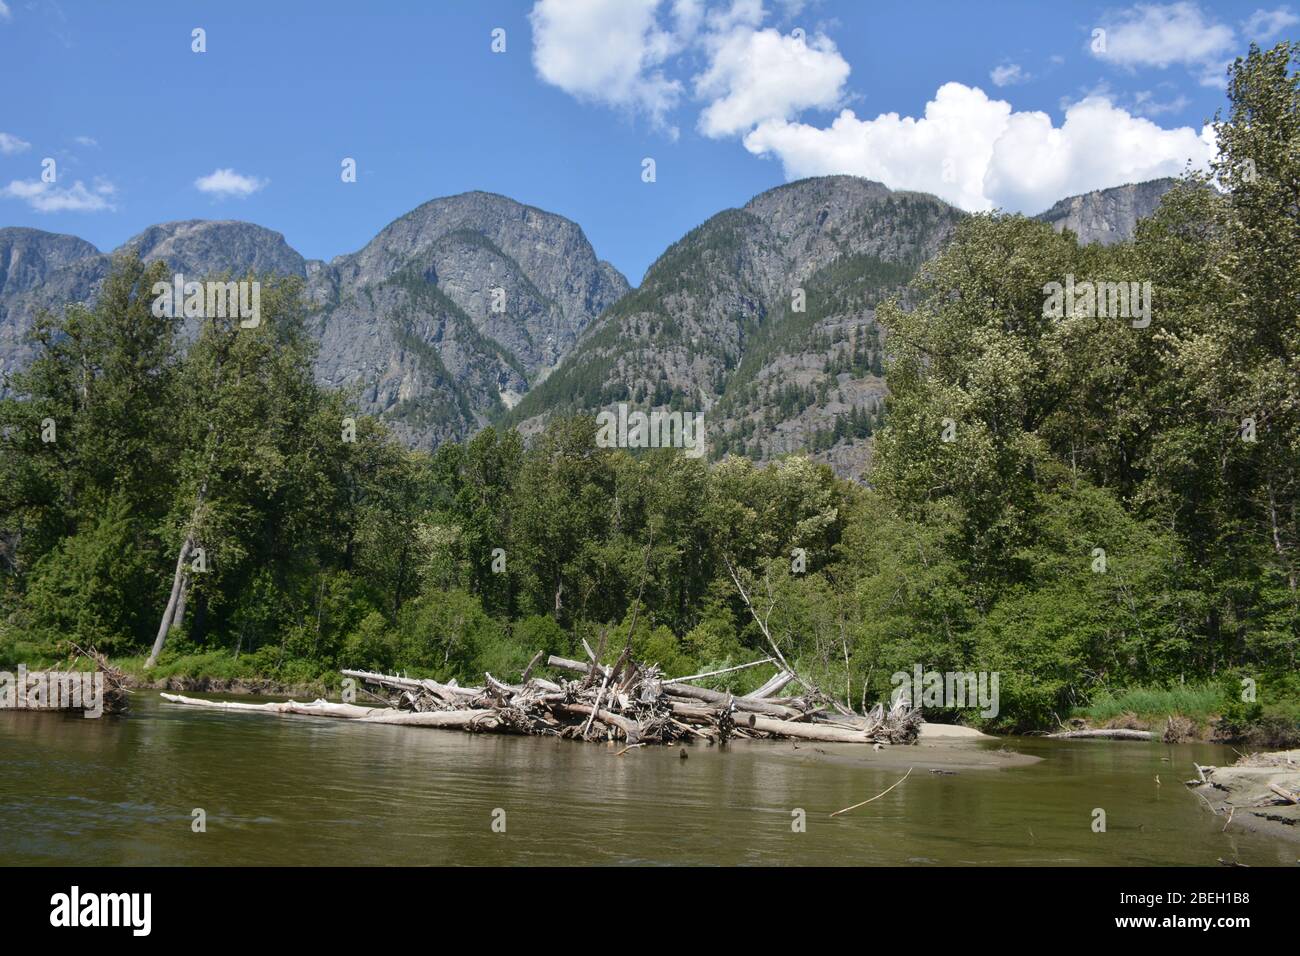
314, 791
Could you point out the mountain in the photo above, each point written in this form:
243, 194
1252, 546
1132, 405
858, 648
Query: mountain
199, 247
455, 310
762, 318
28, 259
407, 322
1108, 216
28, 256
72, 270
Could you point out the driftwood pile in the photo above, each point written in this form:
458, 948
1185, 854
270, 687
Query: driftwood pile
73, 689
627, 702
116, 693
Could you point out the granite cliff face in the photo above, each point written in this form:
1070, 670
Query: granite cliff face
28, 256
475, 308
29, 259
763, 318
455, 310
1108, 216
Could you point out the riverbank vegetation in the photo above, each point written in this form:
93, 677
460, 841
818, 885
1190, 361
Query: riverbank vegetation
1083, 506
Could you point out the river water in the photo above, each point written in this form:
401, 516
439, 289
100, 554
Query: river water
299, 790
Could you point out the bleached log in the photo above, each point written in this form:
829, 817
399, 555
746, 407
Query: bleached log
317, 708
564, 663
780, 728
776, 683
449, 692
789, 728
500, 688
720, 699
476, 719
1110, 734
630, 729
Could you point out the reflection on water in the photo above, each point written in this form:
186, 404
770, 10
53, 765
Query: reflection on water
298, 790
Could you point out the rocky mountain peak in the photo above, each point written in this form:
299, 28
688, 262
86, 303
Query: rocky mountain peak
1108, 216
28, 256
208, 246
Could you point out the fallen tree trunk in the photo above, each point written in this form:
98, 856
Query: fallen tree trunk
317, 708
448, 691
631, 732
478, 720
774, 685
741, 703
1111, 734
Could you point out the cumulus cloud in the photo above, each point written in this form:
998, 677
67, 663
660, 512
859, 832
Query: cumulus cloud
978, 153
226, 182
1263, 25
11, 144
609, 51
1163, 35
48, 197
1008, 74
760, 75
1181, 34
624, 54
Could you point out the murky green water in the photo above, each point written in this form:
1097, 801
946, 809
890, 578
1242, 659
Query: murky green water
316, 791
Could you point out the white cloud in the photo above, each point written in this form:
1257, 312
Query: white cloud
48, 197
1179, 34
227, 182
1263, 25
624, 53
1098, 145
978, 153
86, 141
11, 144
1164, 35
1008, 74
760, 75
608, 51
4, 11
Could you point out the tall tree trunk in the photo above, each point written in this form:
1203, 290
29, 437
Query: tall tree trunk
179, 616
1283, 557
180, 579
170, 612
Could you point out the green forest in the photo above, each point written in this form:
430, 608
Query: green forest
1103, 514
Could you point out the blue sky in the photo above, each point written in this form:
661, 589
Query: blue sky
729, 97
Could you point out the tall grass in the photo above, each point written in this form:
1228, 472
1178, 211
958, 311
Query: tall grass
1190, 700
